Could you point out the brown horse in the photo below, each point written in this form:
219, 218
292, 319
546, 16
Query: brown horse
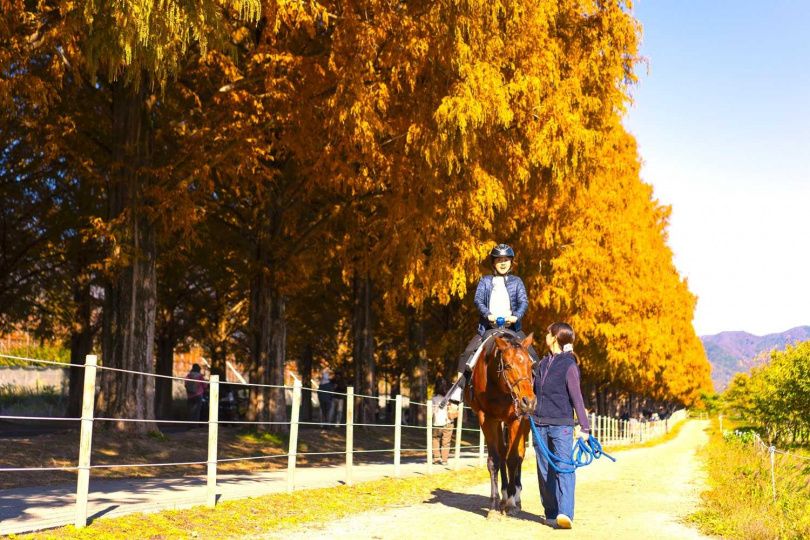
502, 392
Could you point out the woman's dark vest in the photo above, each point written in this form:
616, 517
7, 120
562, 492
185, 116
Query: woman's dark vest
553, 403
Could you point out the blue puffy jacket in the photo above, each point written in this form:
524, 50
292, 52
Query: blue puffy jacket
517, 299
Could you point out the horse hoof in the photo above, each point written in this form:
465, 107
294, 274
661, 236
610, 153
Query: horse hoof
512, 511
493, 515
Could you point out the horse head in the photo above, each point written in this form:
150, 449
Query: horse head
515, 372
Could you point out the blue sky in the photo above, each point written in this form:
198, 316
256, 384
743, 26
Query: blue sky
722, 117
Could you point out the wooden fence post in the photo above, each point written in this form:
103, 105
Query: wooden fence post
86, 440
459, 427
349, 433
213, 432
429, 432
397, 433
292, 453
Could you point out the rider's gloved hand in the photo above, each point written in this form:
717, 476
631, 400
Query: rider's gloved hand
491, 318
511, 319
584, 436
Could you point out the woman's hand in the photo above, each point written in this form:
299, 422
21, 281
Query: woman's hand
511, 319
491, 318
584, 436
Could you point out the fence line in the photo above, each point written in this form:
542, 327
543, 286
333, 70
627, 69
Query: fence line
772, 451
607, 430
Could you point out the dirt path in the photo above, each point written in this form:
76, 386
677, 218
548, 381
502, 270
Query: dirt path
644, 495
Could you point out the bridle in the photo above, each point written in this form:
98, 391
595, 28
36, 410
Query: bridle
503, 368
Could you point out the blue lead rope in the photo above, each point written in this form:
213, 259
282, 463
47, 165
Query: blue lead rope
582, 454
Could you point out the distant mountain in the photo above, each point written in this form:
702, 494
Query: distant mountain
728, 352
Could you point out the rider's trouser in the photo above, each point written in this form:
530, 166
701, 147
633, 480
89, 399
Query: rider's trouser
475, 342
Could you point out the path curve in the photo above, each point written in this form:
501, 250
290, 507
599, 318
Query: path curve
646, 494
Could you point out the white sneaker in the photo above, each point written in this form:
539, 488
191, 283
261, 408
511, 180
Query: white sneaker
564, 521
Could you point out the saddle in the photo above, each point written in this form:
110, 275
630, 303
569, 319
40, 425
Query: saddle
483, 350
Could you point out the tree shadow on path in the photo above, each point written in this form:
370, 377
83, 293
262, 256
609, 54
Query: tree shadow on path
476, 504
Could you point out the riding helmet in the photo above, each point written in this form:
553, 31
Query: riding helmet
501, 250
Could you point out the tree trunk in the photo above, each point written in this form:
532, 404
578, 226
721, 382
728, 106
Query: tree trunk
81, 339
365, 377
305, 372
81, 344
166, 344
601, 402
130, 294
267, 342
418, 373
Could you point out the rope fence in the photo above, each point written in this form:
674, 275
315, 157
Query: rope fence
771, 450
607, 430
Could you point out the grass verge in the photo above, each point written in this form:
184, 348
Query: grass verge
271, 513
739, 502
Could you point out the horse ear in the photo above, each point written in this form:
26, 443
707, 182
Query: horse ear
501, 343
526, 343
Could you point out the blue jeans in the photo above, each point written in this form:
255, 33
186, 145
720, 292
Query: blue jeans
556, 489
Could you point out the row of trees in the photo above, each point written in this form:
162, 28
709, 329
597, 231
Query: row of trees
776, 395
276, 179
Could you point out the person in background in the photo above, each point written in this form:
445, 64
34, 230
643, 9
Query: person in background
442, 422
195, 388
325, 399
338, 399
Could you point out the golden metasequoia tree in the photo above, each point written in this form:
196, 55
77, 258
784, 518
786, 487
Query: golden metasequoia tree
127, 56
608, 271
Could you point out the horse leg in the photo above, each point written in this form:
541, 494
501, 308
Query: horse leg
513, 460
491, 430
503, 451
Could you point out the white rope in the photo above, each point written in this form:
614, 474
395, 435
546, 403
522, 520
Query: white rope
201, 381
30, 469
60, 364
375, 397
789, 454
131, 465
313, 389
252, 458
321, 424
257, 385
375, 425
253, 423
4, 417
198, 422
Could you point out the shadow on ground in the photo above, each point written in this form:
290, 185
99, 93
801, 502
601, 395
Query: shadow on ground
475, 504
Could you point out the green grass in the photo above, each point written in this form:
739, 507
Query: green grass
739, 502
276, 513
261, 437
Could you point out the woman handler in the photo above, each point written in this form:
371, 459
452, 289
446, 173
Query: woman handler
556, 386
